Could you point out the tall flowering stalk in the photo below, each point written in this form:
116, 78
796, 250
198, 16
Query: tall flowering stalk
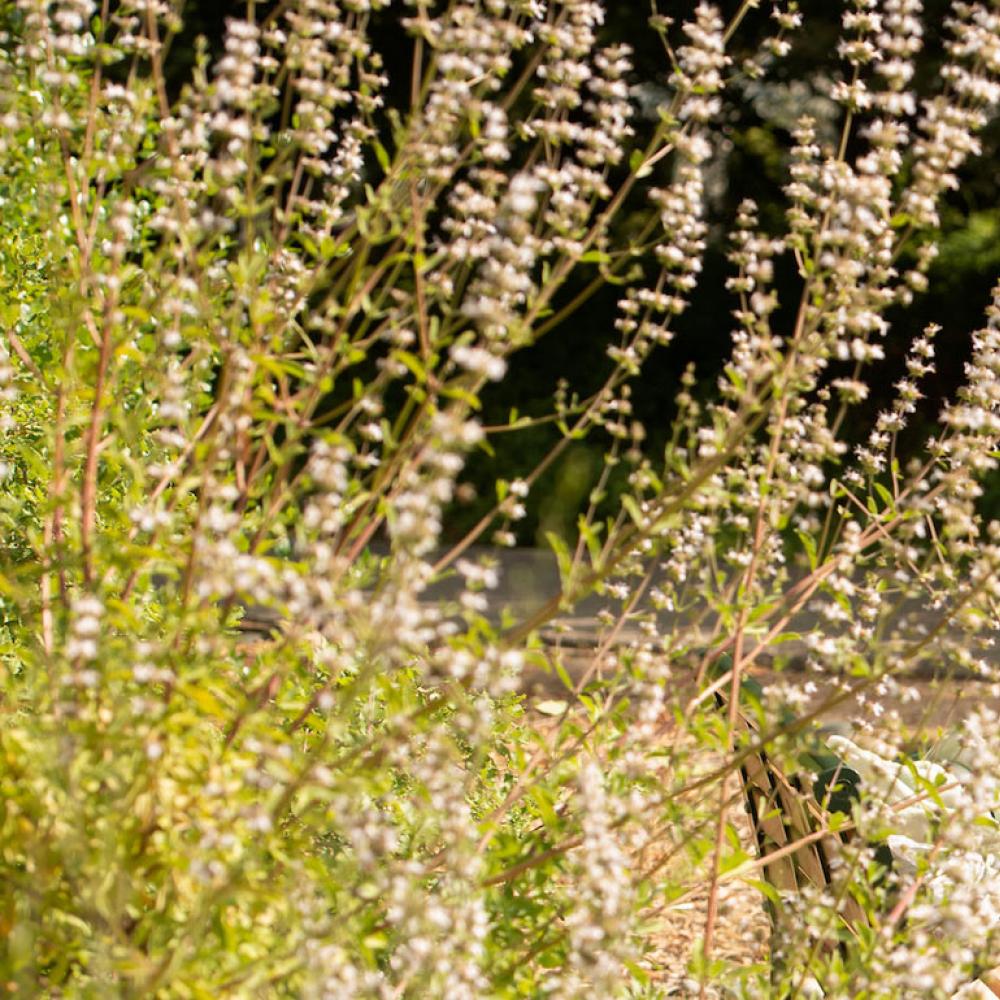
247, 324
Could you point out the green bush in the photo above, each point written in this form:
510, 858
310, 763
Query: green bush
246, 334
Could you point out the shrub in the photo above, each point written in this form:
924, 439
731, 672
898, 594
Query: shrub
247, 329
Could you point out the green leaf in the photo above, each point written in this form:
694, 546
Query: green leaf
457, 392
767, 890
885, 495
590, 534
633, 511
562, 674
551, 707
413, 363
809, 544
563, 558
635, 164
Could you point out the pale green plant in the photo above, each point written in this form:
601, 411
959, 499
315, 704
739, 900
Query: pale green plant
246, 335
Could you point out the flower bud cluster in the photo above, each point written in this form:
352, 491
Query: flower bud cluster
949, 122
873, 457
473, 54
8, 389
701, 63
503, 283
85, 628
599, 925
968, 448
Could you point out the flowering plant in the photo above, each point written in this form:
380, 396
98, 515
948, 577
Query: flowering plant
248, 324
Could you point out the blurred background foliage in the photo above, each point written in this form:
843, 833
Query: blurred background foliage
750, 161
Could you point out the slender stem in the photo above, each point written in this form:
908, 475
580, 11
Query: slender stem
88, 493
